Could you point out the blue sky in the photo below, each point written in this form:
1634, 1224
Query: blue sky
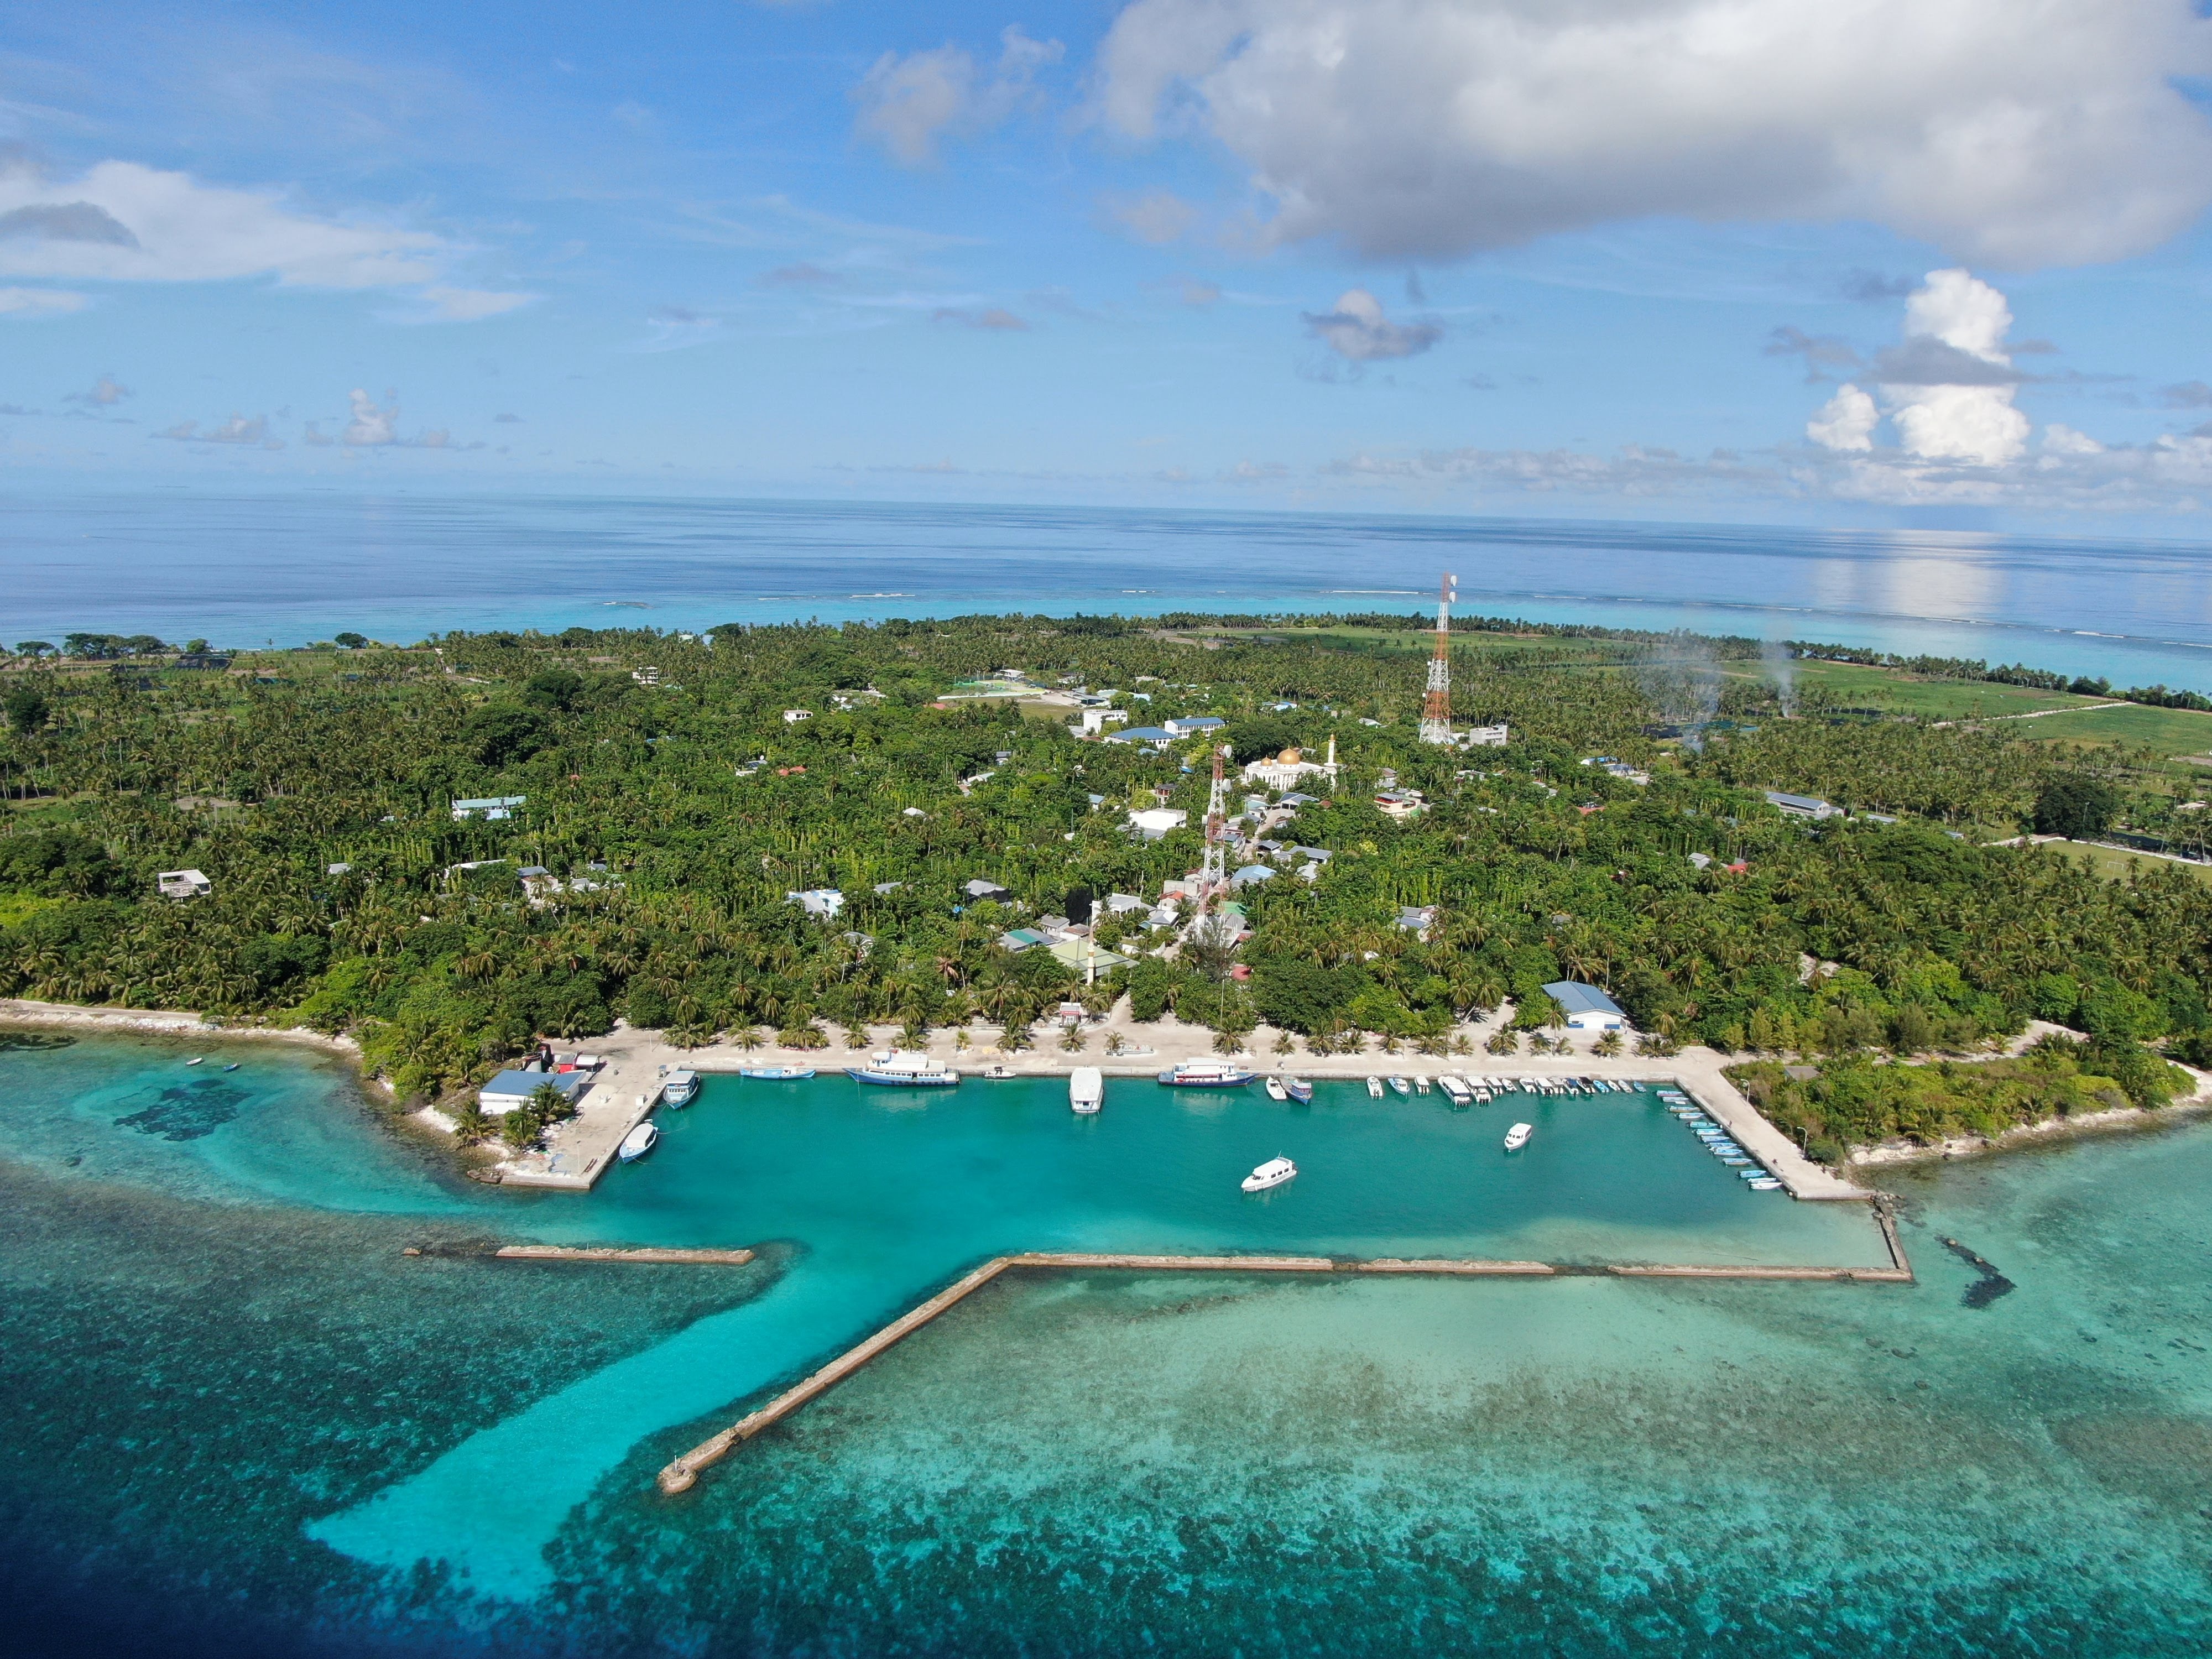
1642, 257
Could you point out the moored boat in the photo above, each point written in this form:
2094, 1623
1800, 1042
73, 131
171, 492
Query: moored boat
1273, 1173
1298, 1088
1086, 1089
1517, 1136
902, 1069
776, 1073
1422, 1084
678, 1088
1275, 1090
1400, 1085
1196, 1074
638, 1142
1764, 1184
1375, 1088
994, 1073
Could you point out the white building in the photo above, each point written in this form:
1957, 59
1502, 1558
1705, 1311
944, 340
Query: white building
489, 807
183, 884
792, 716
1194, 725
1157, 821
1802, 807
823, 901
1588, 1008
1488, 737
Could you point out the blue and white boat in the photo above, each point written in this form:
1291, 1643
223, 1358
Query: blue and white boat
776, 1073
678, 1088
1208, 1074
638, 1142
1400, 1085
901, 1068
1298, 1088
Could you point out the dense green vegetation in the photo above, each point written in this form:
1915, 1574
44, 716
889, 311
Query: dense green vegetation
1859, 1101
675, 808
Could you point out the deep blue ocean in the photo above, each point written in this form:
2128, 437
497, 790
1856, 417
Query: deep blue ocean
246, 570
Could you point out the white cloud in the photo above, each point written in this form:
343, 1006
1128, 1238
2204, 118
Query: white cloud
908, 103
469, 304
371, 425
1846, 420
124, 222
1968, 416
25, 304
1358, 332
1433, 127
106, 393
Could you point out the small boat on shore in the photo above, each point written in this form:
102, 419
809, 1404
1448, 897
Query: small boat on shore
678, 1089
776, 1073
1086, 1090
1375, 1088
638, 1142
1298, 1088
1400, 1085
1196, 1073
1275, 1089
901, 1068
1517, 1136
1273, 1173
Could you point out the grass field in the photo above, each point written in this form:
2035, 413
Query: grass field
2114, 865
2175, 732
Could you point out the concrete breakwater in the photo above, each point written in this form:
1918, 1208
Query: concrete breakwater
656, 1256
682, 1472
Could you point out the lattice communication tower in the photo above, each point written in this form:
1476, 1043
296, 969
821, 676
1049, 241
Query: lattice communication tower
1435, 711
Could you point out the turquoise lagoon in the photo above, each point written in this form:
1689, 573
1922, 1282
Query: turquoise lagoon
240, 1420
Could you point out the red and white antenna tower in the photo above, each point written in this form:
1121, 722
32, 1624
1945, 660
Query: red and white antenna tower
1436, 712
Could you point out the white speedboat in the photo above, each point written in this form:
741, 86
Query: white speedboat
1086, 1089
995, 1072
776, 1073
678, 1088
1764, 1184
1273, 1173
196, 1060
1208, 1074
1275, 1090
1422, 1084
1375, 1088
1517, 1136
902, 1069
638, 1142
1400, 1085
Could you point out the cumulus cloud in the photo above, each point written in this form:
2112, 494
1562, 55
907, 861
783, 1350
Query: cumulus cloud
909, 103
1947, 389
124, 222
1358, 332
1846, 420
24, 304
1955, 324
371, 425
106, 393
1434, 127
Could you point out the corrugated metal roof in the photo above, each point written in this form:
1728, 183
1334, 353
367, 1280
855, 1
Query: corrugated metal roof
1578, 998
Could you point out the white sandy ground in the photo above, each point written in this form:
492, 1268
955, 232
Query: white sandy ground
577, 1152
